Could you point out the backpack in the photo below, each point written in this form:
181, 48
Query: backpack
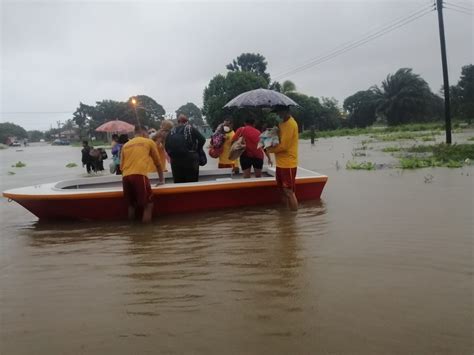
103, 154
176, 144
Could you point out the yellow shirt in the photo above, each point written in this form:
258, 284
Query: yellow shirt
224, 157
136, 156
286, 153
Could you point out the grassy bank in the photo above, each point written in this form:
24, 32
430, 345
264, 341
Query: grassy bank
404, 131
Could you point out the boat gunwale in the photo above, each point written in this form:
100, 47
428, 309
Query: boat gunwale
167, 189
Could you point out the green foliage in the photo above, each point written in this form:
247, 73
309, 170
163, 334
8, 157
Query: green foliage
471, 139
462, 95
391, 149
377, 132
149, 112
288, 86
308, 111
403, 135
88, 117
221, 89
405, 97
192, 112
451, 156
8, 129
35, 136
331, 117
71, 165
361, 107
250, 62
19, 164
366, 165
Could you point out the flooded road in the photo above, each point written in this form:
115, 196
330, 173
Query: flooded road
381, 265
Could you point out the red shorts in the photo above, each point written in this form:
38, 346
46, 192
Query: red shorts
286, 178
137, 190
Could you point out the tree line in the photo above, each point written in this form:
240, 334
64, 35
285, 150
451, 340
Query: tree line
402, 97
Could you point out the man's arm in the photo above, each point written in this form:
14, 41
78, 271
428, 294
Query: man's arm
156, 160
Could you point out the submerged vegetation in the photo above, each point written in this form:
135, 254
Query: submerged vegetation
365, 165
391, 133
423, 156
19, 164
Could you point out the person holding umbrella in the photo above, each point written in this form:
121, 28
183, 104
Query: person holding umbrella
286, 156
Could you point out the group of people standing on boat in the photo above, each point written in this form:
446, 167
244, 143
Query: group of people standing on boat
181, 146
256, 148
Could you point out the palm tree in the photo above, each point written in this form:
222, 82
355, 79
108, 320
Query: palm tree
403, 97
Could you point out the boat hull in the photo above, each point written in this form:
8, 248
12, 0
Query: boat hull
172, 199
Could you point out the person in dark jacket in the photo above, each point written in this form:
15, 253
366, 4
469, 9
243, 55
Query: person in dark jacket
182, 145
86, 157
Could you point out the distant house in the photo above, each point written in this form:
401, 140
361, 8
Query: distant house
70, 135
205, 130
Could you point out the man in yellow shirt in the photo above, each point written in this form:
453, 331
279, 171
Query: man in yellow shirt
286, 156
134, 160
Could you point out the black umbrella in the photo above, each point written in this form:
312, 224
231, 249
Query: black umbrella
261, 98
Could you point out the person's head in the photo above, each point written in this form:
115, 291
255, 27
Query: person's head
141, 132
250, 121
115, 137
227, 124
166, 125
85, 143
123, 138
182, 119
151, 132
283, 112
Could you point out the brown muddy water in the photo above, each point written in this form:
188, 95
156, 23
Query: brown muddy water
381, 265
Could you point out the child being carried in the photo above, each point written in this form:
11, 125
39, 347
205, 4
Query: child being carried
269, 138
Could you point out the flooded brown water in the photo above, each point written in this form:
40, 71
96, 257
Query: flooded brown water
381, 265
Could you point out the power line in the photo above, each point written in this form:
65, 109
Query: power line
354, 44
460, 11
365, 35
468, 3
457, 6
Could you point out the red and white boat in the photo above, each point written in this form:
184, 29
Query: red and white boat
101, 198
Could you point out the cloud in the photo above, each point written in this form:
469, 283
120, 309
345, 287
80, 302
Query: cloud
56, 54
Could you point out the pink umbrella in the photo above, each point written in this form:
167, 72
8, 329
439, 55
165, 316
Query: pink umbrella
116, 126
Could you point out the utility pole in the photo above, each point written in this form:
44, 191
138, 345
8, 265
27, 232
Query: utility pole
447, 113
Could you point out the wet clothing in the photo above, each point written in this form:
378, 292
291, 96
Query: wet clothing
185, 168
224, 156
247, 162
134, 159
252, 137
182, 145
87, 159
286, 178
137, 190
136, 155
286, 153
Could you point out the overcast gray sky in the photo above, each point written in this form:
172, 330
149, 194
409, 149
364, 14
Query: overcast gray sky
57, 53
